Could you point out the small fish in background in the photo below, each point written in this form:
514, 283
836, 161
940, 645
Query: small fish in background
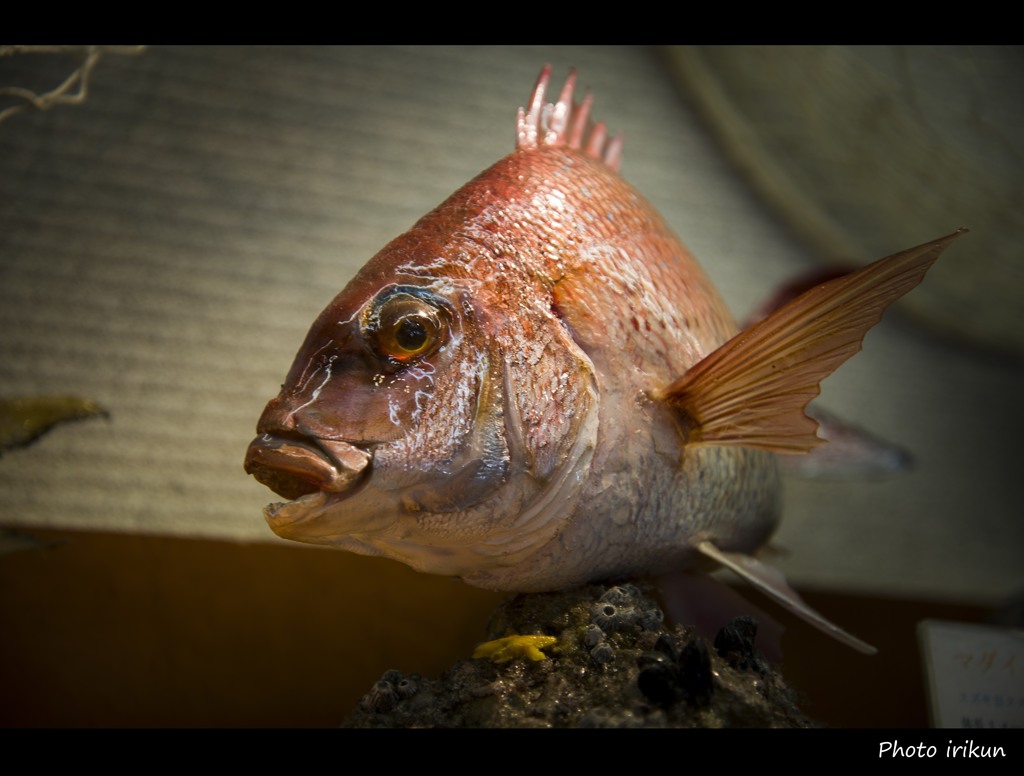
537, 386
25, 419
22, 422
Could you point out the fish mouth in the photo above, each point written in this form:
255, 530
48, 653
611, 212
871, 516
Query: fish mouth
296, 466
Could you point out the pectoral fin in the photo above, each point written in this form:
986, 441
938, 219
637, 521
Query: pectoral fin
771, 582
754, 389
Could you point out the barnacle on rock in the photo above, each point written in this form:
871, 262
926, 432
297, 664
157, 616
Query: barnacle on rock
392, 688
622, 606
620, 595
382, 697
611, 617
405, 686
602, 653
593, 635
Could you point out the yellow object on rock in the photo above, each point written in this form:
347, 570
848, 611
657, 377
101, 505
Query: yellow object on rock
511, 647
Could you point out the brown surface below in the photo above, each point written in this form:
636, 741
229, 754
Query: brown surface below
111, 630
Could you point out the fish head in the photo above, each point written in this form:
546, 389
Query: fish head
437, 410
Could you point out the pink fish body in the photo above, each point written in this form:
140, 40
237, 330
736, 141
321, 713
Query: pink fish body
537, 386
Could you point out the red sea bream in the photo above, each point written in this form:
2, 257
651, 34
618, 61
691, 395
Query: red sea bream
537, 386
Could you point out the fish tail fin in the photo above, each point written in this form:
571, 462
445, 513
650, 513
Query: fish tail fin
771, 582
565, 123
753, 390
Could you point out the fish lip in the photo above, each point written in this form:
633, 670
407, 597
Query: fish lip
298, 467
293, 519
283, 513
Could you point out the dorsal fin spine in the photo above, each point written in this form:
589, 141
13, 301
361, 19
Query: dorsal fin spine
564, 123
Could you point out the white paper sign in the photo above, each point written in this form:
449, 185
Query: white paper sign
975, 674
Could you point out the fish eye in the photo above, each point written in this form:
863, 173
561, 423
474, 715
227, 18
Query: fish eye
403, 326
